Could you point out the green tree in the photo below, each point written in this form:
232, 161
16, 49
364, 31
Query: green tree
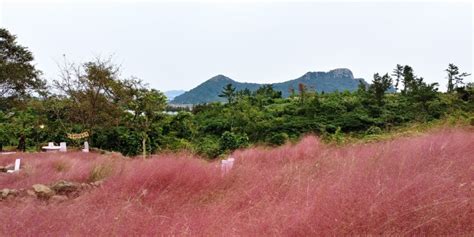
21, 127
230, 141
380, 84
455, 79
398, 74
302, 90
243, 94
18, 75
183, 125
147, 107
361, 88
265, 95
466, 93
228, 92
95, 93
423, 94
268, 92
408, 79
4, 136
278, 138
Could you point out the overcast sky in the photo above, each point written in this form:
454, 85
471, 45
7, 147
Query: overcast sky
179, 45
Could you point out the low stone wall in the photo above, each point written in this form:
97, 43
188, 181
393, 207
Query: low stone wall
59, 191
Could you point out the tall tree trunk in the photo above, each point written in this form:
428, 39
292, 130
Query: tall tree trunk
145, 136
450, 84
144, 145
22, 143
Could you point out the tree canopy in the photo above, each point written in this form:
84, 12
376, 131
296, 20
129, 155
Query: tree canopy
18, 75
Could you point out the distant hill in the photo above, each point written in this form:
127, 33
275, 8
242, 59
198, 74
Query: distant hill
170, 95
337, 79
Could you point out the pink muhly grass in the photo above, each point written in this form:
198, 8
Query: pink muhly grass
407, 186
45, 168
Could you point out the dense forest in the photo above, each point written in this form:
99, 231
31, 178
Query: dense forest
125, 115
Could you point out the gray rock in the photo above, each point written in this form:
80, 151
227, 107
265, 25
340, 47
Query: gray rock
59, 198
65, 187
97, 183
86, 186
43, 191
6, 192
31, 193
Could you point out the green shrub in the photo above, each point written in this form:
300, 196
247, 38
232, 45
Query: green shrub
338, 136
209, 147
230, 141
176, 144
278, 139
373, 130
121, 139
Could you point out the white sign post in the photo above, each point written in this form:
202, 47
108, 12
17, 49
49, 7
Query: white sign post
226, 165
17, 166
230, 163
86, 147
223, 167
62, 147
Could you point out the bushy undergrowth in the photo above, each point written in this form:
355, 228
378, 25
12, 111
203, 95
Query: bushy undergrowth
419, 185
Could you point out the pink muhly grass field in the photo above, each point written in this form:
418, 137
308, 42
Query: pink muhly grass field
419, 185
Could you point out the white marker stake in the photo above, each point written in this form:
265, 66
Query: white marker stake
62, 147
226, 165
223, 167
230, 163
86, 147
17, 166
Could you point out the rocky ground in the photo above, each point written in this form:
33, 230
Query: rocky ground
57, 192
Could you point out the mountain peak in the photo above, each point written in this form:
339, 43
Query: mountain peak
342, 72
335, 73
220, 77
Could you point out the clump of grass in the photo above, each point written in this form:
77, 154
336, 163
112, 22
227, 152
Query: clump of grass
28, 170
61, 166
100, 172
